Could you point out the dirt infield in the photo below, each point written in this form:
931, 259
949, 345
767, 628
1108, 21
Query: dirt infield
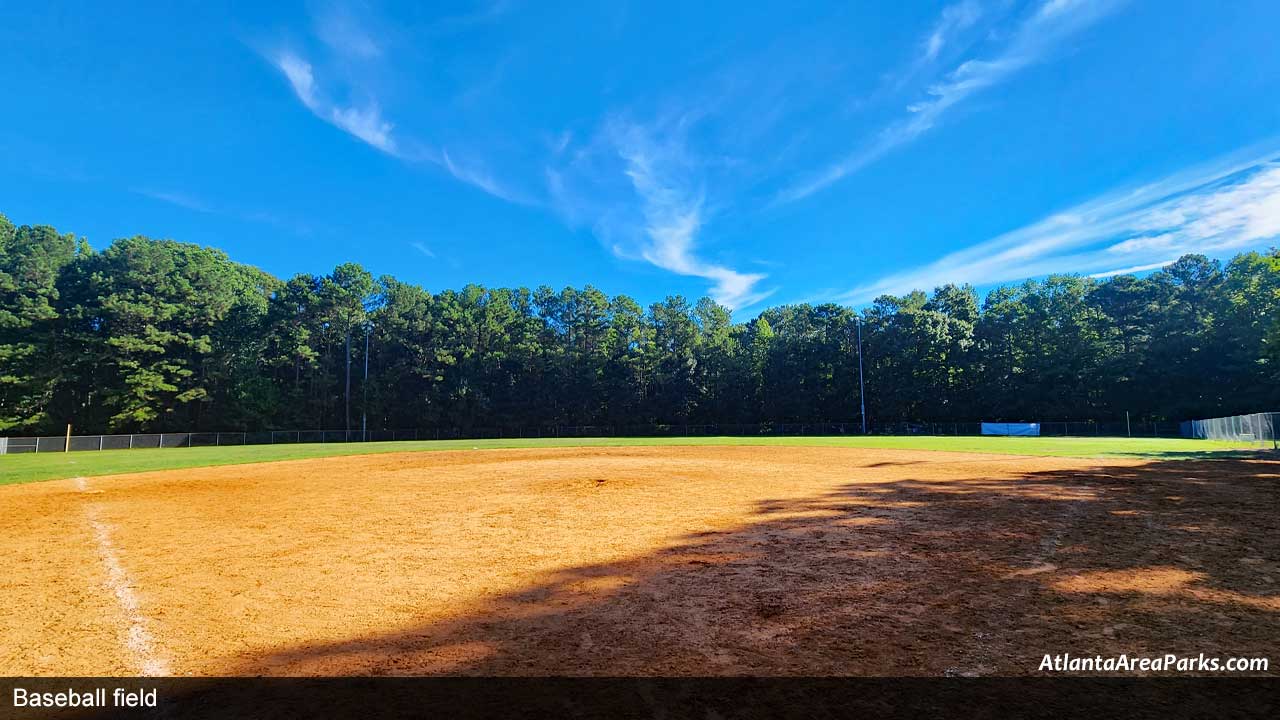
640, 561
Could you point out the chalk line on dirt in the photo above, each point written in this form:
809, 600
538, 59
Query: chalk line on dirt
138, 640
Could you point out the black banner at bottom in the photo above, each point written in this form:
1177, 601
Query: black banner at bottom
636, 697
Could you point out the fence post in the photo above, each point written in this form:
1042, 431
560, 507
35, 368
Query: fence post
99, 443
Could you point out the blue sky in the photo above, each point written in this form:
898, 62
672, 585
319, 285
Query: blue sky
759, 153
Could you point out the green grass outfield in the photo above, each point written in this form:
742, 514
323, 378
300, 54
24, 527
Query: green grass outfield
51, 466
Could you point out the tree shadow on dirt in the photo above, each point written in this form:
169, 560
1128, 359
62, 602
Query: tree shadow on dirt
910, 577
1257, 453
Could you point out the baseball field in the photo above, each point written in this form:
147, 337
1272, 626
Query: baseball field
777, 557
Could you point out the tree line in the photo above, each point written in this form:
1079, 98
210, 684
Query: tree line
158, 335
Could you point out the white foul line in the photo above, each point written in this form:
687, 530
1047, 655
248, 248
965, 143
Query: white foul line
137, 639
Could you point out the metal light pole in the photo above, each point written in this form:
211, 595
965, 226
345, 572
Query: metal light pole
346, 433
862, 387
364, 388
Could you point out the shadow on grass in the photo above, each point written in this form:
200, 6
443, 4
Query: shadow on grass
910, 577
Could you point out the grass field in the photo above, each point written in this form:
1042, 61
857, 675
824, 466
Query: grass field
53, 466
685, 559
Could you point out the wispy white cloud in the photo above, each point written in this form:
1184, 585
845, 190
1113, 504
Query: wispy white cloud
485, 12
172, 197
298, 72
641, 191
1230, 204
364, 122
1226, 217
354, 55
480, 178
1035, 36
560, 142
188, 201
339, 27
954, 19
367, 124
1132, 270
673, 215
422, 248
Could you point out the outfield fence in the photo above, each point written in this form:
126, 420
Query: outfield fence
1063, 428
1047, 428
1260, 428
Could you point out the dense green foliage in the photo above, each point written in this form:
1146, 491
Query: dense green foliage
160, 335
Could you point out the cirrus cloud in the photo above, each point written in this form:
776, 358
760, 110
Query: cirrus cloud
1230, 204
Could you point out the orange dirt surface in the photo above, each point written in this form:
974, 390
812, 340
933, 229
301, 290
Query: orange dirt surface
640, 561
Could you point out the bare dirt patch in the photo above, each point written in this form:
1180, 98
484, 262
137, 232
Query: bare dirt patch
647, 561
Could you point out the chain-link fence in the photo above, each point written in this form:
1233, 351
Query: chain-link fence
60, 443
1047, 428
1063, 428
1257, 428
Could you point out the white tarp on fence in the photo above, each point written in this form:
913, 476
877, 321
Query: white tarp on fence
1023, 429
1256, 427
